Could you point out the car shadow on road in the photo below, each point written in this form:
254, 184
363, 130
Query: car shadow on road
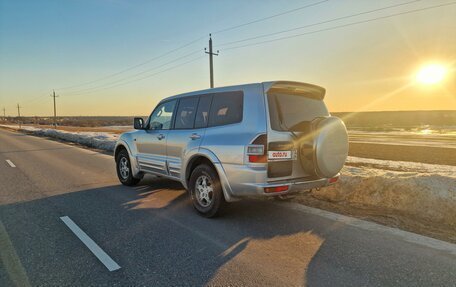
241, 247
157, 238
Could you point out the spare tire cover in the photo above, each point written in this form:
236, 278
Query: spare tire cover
330, 146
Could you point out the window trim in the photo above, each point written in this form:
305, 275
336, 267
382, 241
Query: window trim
211, 95
212, 102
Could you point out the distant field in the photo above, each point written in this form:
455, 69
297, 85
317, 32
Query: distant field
365, 121
419, 136
400, 121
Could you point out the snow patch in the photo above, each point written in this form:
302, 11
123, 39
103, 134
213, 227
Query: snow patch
99, 140
424, 191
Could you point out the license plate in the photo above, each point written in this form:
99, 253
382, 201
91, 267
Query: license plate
279, 154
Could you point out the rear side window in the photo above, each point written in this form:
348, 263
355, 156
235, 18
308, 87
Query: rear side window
186, 112
226, 108
202, 114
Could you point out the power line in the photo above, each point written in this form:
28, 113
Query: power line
318, 23
135, 75
188, 44
340, 26
149, 76
268, 17
41, 97
134, 66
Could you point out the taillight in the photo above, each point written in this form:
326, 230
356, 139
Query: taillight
257, 150
333, 179
276, 189
258, 158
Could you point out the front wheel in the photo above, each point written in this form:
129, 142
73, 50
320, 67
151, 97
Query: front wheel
206, 192
124, 172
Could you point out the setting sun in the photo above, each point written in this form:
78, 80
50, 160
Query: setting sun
431, 74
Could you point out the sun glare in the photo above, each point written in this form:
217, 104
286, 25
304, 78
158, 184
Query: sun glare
431, 74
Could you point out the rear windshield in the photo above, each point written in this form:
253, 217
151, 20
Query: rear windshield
294, 112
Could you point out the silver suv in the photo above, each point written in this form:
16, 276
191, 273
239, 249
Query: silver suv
223, 144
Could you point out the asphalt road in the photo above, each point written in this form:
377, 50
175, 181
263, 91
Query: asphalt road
152, 232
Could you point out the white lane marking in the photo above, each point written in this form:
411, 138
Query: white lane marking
96, 250
10, 163
371, 226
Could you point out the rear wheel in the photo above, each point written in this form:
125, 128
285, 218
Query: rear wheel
123, 167
206, 192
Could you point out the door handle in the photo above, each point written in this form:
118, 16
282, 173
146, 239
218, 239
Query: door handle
195, 136
160, 137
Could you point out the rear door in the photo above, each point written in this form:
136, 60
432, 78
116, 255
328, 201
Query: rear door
151, 143
189, 127
291, 108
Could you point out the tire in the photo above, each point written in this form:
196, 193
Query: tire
209, 201
123, 168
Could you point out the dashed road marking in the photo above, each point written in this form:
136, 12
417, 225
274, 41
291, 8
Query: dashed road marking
96, 250
10, 163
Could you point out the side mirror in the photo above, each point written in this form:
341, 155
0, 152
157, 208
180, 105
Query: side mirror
138, 123
156, 126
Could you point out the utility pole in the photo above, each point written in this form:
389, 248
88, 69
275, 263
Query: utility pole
19, 115
55, 111
211, 64
4, 114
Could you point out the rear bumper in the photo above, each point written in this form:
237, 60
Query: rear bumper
294, 186
244, 181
